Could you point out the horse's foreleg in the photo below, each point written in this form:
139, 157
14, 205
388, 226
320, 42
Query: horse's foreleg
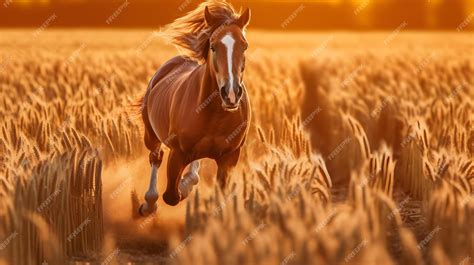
224, 165
189, 179
151, 196
176, 165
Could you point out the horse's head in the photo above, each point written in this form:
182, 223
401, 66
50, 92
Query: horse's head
226, 58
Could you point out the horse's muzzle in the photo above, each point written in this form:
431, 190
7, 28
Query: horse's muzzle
230, 101
230, 108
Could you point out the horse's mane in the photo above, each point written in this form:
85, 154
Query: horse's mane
191, 31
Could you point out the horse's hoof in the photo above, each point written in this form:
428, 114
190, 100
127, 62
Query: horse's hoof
140, 211
193, 178
144, 211
171, 199
185, 189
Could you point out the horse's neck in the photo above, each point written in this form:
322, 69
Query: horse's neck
208, 89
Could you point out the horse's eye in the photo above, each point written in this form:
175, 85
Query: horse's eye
213, 49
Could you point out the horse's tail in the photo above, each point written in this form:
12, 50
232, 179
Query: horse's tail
139, 105
135, 113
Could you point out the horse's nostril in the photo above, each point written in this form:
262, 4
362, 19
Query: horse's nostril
223, 93
240, 91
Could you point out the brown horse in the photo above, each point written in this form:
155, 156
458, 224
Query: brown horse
197, 104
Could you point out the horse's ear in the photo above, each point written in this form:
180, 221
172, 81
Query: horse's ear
244, 19
208, 17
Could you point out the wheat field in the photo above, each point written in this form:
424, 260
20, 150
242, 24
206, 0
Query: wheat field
360, 152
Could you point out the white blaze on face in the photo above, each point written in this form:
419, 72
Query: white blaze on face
229, 44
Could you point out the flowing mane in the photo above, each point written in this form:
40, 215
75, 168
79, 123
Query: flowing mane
191, 31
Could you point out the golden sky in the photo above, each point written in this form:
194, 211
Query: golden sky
316, 14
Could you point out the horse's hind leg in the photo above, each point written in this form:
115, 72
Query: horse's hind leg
155, 157
189, 179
